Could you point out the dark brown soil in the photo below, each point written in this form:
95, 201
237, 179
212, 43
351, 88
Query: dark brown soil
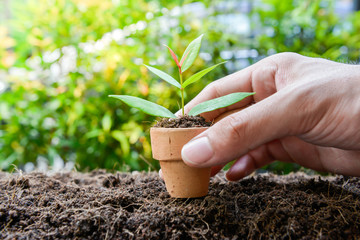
99, 205
183, 122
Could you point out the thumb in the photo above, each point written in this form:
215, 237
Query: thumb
241, 132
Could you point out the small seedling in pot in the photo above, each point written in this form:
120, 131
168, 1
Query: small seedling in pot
183, 64
181, 180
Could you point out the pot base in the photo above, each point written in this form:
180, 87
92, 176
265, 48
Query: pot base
183, 181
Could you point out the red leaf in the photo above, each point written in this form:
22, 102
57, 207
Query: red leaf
182, 61
174, 56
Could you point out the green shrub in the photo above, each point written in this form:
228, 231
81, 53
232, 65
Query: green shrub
59, 60
73, 57
306, 27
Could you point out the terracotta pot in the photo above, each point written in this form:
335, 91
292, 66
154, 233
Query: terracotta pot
181, 180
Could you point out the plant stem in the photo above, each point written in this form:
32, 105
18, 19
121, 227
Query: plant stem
182, 93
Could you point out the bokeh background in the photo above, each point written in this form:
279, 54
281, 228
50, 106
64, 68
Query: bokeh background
60, 59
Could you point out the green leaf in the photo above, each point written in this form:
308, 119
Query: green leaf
106, 122
148, 107
164, 76
219, 102
6, 163
199, 75
122, 139
93, 133
191, 53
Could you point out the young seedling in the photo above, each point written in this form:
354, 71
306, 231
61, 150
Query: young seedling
185, 63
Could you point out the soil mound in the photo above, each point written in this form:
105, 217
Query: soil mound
99, 205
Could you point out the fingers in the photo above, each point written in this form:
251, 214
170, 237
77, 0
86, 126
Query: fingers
229, 84
235, 82
215, 170
260, 77
243, 167
256, 159
241, 132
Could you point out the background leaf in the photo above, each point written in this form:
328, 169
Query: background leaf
145, 106
43, 109
193, 49
199, 75
106, 122
122, 139
164, 76
220, 102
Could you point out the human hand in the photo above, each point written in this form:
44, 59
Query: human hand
307, 111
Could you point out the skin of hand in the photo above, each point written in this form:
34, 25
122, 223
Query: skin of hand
307, 111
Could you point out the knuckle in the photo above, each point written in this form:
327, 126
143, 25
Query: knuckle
213, 89
237, 126
286, 56
283, 59
289, 59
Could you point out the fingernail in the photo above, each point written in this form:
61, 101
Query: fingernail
239, 169
197, 151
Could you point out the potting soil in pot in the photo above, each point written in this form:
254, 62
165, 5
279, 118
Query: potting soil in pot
183, 122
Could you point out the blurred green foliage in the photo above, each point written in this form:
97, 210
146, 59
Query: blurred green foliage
60, 59
309, 28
